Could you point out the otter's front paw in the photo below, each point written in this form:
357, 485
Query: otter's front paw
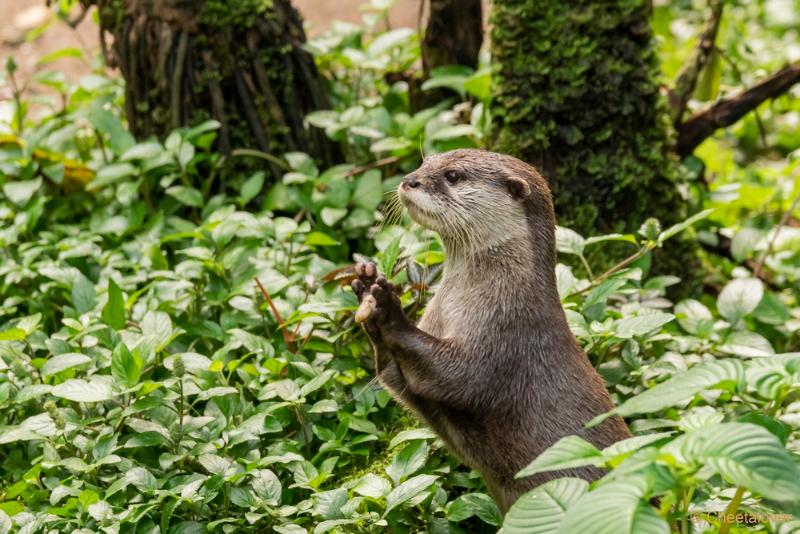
375, 295
366, 273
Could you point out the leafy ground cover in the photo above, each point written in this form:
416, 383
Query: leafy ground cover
178, 353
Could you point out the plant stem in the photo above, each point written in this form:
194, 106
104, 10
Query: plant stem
731, 510
687, 501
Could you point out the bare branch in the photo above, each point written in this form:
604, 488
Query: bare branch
729, 110
686, 80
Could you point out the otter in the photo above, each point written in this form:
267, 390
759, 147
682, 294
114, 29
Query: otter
492, 365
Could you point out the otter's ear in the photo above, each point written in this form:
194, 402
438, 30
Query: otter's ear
518, 187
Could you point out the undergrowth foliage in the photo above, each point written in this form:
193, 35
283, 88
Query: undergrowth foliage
178, 355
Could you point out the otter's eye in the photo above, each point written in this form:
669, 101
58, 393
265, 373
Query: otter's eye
452, 177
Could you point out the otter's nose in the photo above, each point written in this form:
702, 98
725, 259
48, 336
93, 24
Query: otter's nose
410, 181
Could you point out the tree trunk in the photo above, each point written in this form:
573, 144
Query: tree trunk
576, 93
239, 62
454, 34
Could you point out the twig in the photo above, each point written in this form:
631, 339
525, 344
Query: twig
729, 110
686, 80
784, 220
278, 318
374, 165
618, 267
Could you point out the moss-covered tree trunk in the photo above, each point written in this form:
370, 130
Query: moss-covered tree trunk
576, 93
238, 61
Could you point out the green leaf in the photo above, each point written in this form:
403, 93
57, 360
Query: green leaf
739, 298
706, 375
694, 317
320, 239
62, 362
147, 150
746, 454
331, 216
13, 334
471, 504
373, 486
747, 345
114, 311
186, 195
618, 507
408, 490
479, 84
20, 192
252, 187
569, 241
83, 293
111, 174
541, 510
629, 327
408, 461
97, 389
302, 163
681, 226
369, 190
569, 451
411, 434
126, 366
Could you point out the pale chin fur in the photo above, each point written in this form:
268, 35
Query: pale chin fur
421, 209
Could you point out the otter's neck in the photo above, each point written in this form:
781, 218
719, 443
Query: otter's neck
517, 269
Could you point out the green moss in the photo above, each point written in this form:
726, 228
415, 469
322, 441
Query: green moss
224, 13
576, 93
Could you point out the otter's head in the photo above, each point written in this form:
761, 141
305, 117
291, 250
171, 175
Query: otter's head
477, 199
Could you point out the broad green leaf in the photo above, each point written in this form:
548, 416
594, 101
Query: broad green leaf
739, 298
541, 510
411, 434
746, 454
694, 317
62, 362
13, 334
569, 241
628, 327
569, 451
84, 296
252, 187
146, 150
39, 426
680, 387
408, 490
186, 195
302, 163
114, 311
408, 461
97, 389
373, 486
20, 192
369, 190
747, 345
471, 504
618, 507
320, 239
126, 366
111, 174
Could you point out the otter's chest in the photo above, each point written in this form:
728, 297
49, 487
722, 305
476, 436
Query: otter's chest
456, 312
